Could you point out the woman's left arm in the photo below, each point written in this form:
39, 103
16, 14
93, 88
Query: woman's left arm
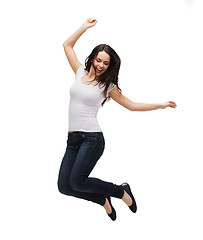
135, 106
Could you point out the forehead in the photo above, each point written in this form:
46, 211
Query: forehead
103, 56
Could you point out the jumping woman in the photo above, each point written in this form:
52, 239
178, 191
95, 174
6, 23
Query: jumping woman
95, 83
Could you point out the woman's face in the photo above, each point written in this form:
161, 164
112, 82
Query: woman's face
101, 62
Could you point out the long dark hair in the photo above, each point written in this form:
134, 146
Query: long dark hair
111, 74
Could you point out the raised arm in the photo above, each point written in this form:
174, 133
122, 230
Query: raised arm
136, 106
70, 42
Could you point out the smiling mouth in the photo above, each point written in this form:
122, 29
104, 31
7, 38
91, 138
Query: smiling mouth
99, 70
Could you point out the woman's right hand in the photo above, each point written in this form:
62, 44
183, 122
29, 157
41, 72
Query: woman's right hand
168, 104
90, 22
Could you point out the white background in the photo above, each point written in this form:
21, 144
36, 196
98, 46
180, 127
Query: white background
157, 152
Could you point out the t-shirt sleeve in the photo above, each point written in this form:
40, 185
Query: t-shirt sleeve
111, 86
80, 71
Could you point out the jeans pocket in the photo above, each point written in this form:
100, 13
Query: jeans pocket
92, 136
102, 148
102, 139
70, 139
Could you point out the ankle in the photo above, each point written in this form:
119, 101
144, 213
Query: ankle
127, 199
124, 195
107, 207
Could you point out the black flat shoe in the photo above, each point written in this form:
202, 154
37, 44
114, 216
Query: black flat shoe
112, 215
126, 187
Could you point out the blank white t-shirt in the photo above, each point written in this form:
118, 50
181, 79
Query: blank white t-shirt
85, 101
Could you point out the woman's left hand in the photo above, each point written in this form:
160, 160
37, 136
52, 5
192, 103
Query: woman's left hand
90, 22
168, 104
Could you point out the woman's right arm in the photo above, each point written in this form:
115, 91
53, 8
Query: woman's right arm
70, 42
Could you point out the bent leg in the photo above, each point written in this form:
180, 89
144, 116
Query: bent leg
64, 186
85, 161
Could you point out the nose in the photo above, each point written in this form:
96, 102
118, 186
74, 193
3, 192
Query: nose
101, 65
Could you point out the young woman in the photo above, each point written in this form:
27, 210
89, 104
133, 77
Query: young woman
95, 83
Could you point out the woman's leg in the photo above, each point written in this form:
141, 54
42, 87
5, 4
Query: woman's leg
64, 179
82, 153
91, 149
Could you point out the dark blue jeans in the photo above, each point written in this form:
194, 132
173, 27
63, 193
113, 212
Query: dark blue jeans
82, 153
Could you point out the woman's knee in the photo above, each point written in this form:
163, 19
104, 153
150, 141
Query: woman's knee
63, 187
76, 183
60, 186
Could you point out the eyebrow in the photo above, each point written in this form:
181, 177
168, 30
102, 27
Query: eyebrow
104, 61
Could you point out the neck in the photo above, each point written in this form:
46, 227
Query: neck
91, 74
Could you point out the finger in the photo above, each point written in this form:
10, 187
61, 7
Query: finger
172, 104
94, 21
89, 20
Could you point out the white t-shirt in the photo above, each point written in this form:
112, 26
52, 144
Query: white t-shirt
85, 101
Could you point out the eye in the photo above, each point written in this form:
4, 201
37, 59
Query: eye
98, 60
